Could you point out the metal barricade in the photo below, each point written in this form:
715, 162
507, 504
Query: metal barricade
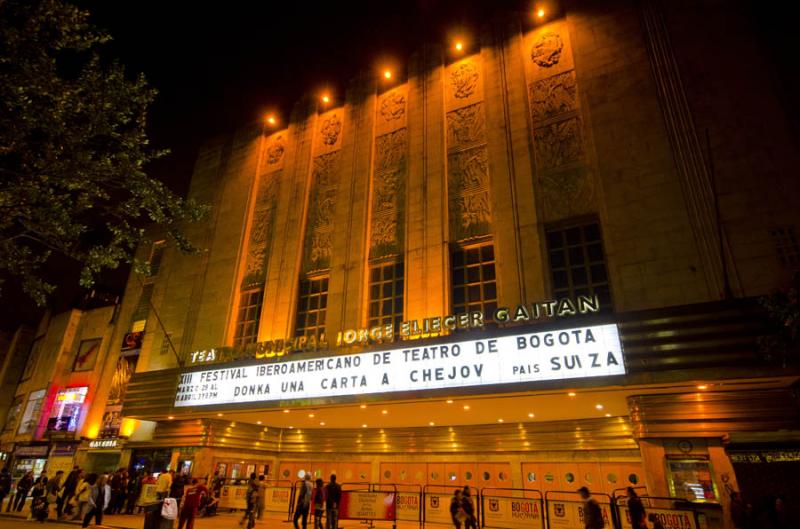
409, 502
369, 502
278, 495
509, 508
436, 503
564, 509
672, 513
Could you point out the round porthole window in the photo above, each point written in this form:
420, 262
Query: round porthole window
286, 472
549, 477
468, 475
486, 476
387, 474
502, 476
612, 478
362, 476
451, 476
531, 477
633, 478
569, 477
418, 476
403, 474
434, 476
301, 474
588, 477
348, 474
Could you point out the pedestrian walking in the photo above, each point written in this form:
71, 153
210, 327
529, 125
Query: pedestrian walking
176, 488
5, 485
68, 492
592, 514
99, 498
318, 501
191, 503
38, 496
333, 495
80, 500
23, 486
470, 521
261, 504
54, 491
132, 493
457, 513
636, 510
303, 502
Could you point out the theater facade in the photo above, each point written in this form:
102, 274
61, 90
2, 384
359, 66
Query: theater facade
510, 266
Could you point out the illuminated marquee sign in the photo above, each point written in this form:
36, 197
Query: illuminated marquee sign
103, 443
579, 352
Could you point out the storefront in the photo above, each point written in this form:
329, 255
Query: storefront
30, 458
103, 455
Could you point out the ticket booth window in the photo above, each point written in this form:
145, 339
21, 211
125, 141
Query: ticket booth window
690, 479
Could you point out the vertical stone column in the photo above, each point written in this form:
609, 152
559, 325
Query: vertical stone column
653, 466
426, 213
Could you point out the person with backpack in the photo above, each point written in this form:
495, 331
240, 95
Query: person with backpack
592, 514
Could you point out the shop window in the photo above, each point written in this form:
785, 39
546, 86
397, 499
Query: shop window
156, 254
386, 286
473, 279
248, 315
578, 262
690, 479
66, 409
312, 305
32, 411
786, 246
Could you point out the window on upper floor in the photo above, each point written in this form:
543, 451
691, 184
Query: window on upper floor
156, 254
578, 262
142, 310
473, 279
386, 288
312, 306
247, 317
786, 246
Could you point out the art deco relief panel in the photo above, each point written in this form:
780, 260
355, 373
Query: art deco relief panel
324, 186
467, 157
263, 221
389, 175
563, 177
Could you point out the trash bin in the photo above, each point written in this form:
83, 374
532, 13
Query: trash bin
153, 518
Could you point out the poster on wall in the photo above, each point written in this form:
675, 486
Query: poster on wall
512, 513
87, 354
668, 518
112, 416
569, 514
33, 409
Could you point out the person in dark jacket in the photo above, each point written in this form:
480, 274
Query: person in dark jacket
176, 488
70, 484
23, 486
5, 485
636, 510
457, 513
592, 514
333, 495
470, 521
134, 487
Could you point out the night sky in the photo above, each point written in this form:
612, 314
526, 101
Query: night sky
219, 66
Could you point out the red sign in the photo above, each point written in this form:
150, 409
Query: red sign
358, 505
132, 340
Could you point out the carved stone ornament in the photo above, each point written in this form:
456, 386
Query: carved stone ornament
275, 150
469, 170
558, 144
566, 194
320, 248
383, 232
466, 126
546, 51
553, 96
475, 210
260, 231
391, 150
330, 130
323, 208
387, 191
325, 171
393, 106
464, 80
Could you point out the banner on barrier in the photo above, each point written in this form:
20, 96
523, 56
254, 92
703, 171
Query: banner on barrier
437, 508
361, 505
147, 495
278, 498
512, 513
408, 506
669, 518
233, 497
567, 514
